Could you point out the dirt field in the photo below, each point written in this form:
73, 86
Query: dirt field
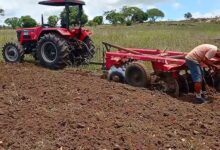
48, 110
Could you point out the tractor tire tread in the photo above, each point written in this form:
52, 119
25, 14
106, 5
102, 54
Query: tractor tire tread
63, 52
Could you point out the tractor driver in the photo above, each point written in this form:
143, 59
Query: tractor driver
201, 54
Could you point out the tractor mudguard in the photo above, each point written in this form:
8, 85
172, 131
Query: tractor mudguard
84, 34
61, 31
64, 32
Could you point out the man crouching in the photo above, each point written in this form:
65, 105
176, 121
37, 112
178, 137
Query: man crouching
200, 54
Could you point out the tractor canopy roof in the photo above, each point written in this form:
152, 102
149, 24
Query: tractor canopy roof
62, 2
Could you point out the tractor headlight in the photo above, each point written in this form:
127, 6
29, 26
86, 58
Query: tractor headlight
26, 32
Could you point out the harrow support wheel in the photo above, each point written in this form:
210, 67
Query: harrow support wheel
53, 52
170, 86
13, 53
136, 74
116, 74
217, 82
217, 86
209, 78
183, 84
116, 77
190, 82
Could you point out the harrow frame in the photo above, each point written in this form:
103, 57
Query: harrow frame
166, 65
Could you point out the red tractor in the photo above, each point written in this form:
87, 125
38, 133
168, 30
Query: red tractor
53, 47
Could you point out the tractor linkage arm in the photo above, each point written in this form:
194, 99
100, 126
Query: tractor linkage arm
108, 46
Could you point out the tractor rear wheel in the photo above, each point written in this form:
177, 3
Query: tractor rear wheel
13, 53
53, 51
88, 50
136, 75
89, 43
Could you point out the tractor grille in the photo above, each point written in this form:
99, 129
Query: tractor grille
18, 35
27, 37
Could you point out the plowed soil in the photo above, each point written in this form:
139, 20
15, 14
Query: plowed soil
71, 109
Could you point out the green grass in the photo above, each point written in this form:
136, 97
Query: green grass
7, 35
172, 36
159, 36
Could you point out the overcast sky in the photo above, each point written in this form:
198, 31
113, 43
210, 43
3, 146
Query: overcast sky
173, 9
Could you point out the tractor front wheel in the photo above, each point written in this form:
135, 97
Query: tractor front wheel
53, 52
13, 53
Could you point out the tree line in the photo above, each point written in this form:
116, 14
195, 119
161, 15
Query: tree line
131, 15
23, 21
126, 15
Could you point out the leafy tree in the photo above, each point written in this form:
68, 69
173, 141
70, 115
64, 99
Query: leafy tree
188, 15
27, 21
120, 18
114, 18
74, 20
92, 23
52, 20
128, 22
2, 12
13, 22
98, 20
154, 14
111, 16
134, 14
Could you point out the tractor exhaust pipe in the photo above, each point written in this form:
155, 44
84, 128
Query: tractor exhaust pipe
108, 45
42, 19
67, 15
